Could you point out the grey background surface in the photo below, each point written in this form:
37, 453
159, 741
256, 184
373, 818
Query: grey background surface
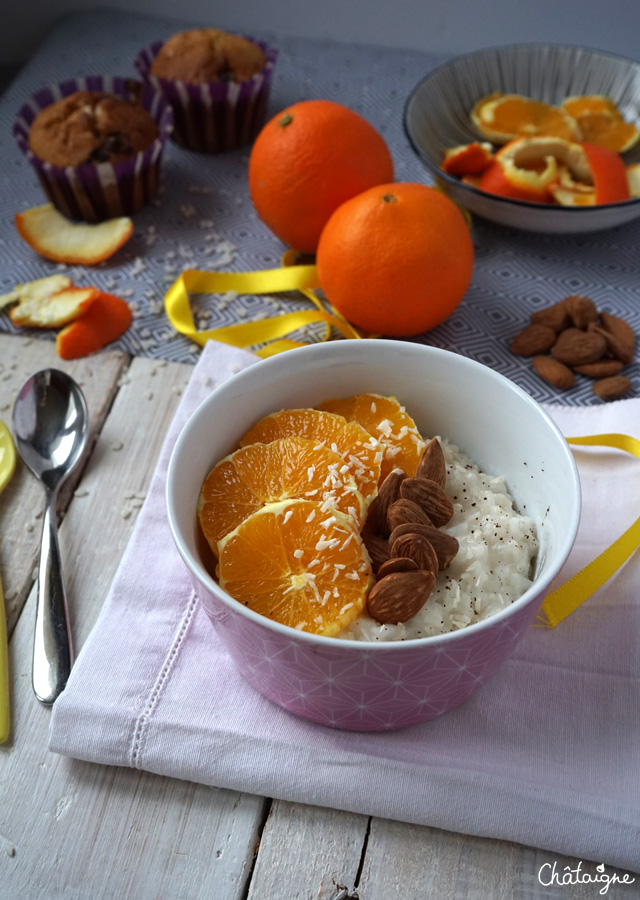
437, 26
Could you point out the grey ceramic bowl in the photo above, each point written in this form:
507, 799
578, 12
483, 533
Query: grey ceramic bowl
437, 111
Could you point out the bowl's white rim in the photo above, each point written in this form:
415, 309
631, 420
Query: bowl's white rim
538, 587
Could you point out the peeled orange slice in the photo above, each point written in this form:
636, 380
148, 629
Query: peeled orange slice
76, 243
41, 288
389, 422
259, 474
359, 449
502, 117
298, 567
55, 310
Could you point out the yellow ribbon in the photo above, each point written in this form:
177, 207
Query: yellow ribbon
267, 336
567, 598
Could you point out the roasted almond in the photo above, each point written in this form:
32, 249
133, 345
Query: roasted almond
388, 493
618, 348
399, 596
612, 388
577, 348
619, 328
556, 316
377, 548
556, 373
406, 511
430, 497
582, 311
445, 545
415, 546
432, 464
397, 564
604, 368
533, 339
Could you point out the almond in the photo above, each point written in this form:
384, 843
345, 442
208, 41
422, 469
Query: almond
432, 464
399, 596
416, 547
577, 348
612, 388
620, 349
388, 493
556, 373
556, 316
430, 497
378, 549
533, 339
445, 545
397, 564
618, 328
604, 368
406, 511
582, 310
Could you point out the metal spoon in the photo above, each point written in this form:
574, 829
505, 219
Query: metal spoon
50, 423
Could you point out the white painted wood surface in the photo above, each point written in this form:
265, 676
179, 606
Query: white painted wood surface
75, 831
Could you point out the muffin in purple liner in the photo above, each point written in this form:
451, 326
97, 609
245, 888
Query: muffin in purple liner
100, 189
221, 114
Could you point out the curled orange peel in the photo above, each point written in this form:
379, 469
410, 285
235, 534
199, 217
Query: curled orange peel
467, 159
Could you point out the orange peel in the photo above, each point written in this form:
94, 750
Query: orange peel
502, 117
633, 179
609, 174
33, 290
601, 122
467, 159
53, 236
54, 310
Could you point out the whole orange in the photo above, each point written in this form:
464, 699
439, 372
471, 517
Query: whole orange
308, 160
396, 260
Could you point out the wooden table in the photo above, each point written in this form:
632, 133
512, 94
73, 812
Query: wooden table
80, 831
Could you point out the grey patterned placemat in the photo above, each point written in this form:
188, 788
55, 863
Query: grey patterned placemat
203, 217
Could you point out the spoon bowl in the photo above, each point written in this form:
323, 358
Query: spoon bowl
50, 423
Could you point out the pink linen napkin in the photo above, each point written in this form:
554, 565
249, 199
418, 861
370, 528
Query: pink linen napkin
546, 754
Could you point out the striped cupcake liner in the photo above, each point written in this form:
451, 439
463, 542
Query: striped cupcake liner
95, 192
216, 116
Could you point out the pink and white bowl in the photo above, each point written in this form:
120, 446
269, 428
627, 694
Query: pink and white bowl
381, 686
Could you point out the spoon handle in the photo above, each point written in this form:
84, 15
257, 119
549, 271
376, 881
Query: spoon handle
52, 652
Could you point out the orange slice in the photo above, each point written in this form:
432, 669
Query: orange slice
360, 450
609, 174
390, 423
55, 310
35, 290
295, 566
259, 474
502, 117
467, 159
76, 243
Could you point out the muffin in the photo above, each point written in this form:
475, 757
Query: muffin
96, 144
207, 54
91, 127
217, 83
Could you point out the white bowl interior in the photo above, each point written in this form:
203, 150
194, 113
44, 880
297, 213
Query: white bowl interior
437, 117
492, 420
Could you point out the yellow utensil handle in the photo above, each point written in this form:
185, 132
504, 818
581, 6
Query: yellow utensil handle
5, 717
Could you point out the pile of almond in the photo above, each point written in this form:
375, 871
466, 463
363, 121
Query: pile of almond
402, 534
579, 339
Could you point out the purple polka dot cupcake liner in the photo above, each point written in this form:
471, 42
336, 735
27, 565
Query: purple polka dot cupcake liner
98, 191
216, 116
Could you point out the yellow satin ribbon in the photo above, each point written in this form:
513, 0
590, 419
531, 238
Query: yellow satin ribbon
564, 600
267, 336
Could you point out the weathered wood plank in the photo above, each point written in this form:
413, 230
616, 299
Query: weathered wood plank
22, 502
71, 830
307, 852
